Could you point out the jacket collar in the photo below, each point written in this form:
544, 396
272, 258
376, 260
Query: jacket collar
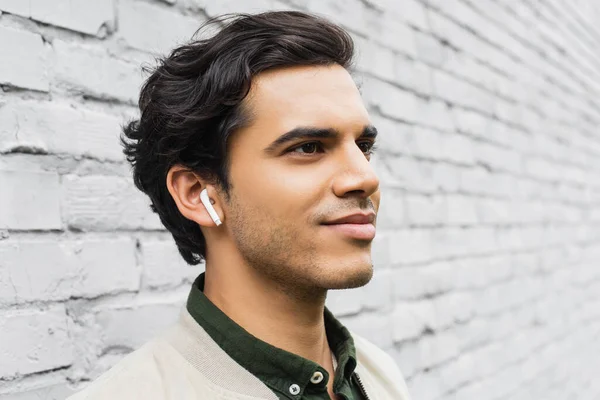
277, 368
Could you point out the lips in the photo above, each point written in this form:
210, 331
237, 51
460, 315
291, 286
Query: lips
357, 226
355, 231
357, 218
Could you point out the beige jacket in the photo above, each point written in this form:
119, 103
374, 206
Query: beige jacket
186, 364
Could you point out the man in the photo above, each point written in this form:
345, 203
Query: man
266, 118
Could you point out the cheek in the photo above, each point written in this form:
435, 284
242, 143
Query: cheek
283, 192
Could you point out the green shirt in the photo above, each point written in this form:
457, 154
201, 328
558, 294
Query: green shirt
286, 374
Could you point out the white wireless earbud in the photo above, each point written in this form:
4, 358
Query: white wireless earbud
211, 210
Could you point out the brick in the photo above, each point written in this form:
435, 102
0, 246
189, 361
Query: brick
213, 8
138, 24
457, 372
391, 212
412, 74
427, 386
77, 15
93, 72
373, 58
499, 211
386, 176
500, 297
131, 327
34, 341
396, 35
18, 7
447, 177
497, 157
437, 348
164, 266
461, 210
458, 149
50, 127
409, 247
390, 100
474, 180
353, 15
377, 294
457, 91
474, 71
473, 335
453, 308
376, 327
540, 169
412, 12
458, 36
79, 269
407, 356
99, 203
413, 283
426, 210
29, 200
43, 390
471, 122
394, 137
26, 66
345, 301
380, 250
455, 242
430, 50
435, 114
427, 143
411, 319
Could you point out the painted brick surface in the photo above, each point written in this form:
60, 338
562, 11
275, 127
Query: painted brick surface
56, 270
25, 67
37, 208
487, 254
95, 73
59, 128
34, 341
77, 15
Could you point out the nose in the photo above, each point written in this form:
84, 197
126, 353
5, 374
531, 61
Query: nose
356, 176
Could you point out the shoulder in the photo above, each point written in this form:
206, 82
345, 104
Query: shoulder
369, 352
138, 375
379, 364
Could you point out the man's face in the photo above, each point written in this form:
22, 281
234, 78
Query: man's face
282, 194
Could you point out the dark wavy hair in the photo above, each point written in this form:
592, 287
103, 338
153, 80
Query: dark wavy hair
193, 101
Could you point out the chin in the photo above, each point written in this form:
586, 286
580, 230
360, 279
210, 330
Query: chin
351, 276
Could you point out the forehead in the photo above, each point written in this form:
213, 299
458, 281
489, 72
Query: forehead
318, 96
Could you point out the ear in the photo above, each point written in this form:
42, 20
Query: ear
185, 187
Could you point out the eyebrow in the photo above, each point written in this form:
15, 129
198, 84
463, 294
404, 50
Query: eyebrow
368, 132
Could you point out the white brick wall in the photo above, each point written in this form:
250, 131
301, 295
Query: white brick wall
487, 254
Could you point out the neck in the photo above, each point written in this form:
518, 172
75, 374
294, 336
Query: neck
268, 311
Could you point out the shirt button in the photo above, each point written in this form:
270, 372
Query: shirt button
317, 377
295, 389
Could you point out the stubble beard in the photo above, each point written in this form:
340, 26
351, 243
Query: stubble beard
273, 251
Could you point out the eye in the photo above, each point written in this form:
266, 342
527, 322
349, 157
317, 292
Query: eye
307, 148
367, 147
310, 148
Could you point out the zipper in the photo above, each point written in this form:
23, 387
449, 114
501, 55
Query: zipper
361, 386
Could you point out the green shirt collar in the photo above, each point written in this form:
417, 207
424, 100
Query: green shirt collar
277, 368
